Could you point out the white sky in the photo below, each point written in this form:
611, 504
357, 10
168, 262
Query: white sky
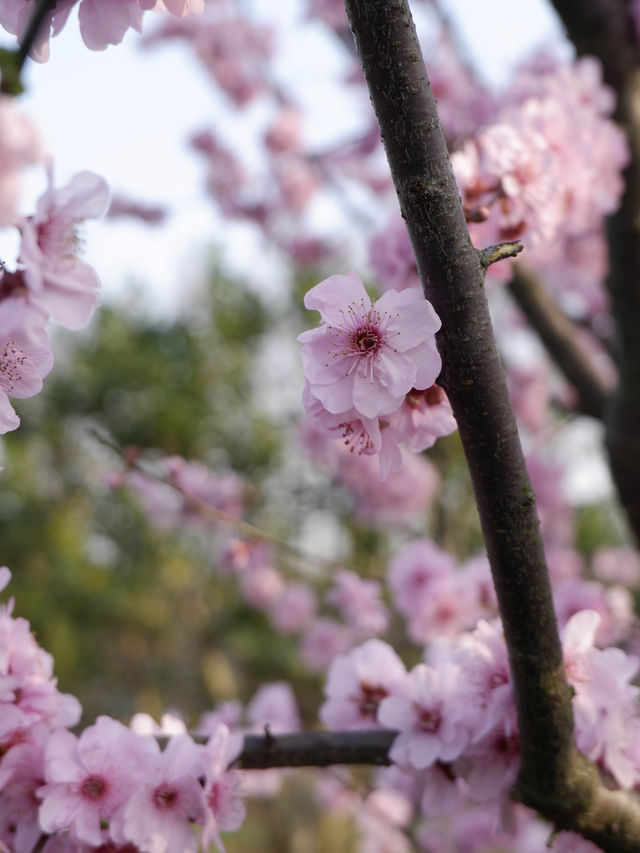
126, 114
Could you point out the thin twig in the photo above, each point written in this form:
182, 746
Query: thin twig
558, 334
499, 252
43, 7
217, 516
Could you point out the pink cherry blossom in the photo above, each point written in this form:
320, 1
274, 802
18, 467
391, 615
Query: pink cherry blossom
261, 585
28, 691
324, 640
25, 359
442, 794
220, 490
101, 24
368, 355
358, 682
381, 819
423, 416
159, 816
414, 568
226, 713
482, 658
429, 715
490, 765
90, 777
406, 494
621, 565
447, 607
294, 609
21, 774
274, 705
61, 284
233, 49
358, 600
222, 789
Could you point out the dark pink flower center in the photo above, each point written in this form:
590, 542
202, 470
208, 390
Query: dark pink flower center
370, 697
164, 797
429, 719
94, 787
366, 340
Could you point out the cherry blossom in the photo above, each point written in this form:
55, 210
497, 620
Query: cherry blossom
294, 609
222, 788
89, 778
274, 705
101, 24
429, 715
25, 359
358, 682
323, 642
359, 602
368, 355
21, 775
59, 282
158, 817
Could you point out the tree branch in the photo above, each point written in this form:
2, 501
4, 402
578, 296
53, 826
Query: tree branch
553, 778
604, 28
558, 334
315, 749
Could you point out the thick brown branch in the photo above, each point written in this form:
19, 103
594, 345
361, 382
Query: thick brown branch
315, 749
558, 334
553, 778
604, 28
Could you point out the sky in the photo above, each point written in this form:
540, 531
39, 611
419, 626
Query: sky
126, 113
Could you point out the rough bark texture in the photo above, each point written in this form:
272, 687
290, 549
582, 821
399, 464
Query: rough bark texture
553, 779
603, 28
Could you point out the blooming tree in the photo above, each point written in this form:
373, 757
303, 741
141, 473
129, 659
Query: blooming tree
518, 722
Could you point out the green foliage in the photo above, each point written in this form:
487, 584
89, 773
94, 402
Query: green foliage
131, 614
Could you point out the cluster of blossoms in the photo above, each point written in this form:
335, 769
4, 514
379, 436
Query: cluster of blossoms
111, 787
402, 502
284, 197
371, 370
51, 282
547, 170
457, 741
